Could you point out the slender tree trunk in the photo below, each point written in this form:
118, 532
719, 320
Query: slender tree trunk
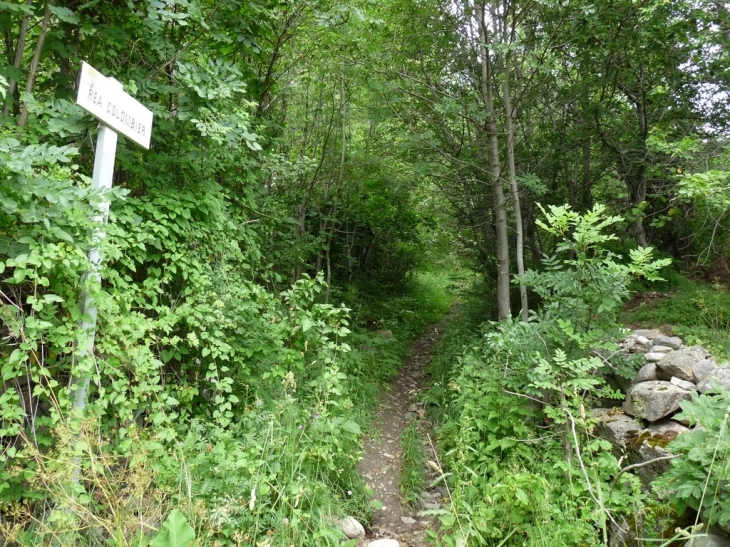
499, 202
36, 59
587, 202
343, 107
519, 233
12, 84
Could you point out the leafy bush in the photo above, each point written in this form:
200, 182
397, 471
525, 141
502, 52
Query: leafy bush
519, 457
698, 478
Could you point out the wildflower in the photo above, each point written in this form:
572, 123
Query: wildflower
316, 415
285, 521
299, 426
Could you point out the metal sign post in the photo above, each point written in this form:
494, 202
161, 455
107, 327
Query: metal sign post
106, 100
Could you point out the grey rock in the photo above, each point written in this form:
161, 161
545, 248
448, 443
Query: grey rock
680, 363
630, 440
650, 334
702, 369
647, 373
621, 535
654, 400
384, 543
635, 344
673, 342
617, 428
661, 349
721, 375
708, 540
351, 527
654, 357
408, 520
684, 384
651, 444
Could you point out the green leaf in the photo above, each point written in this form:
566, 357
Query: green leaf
175, 532
307, 324
64, 14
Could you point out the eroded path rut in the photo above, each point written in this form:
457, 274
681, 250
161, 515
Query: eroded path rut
381, 463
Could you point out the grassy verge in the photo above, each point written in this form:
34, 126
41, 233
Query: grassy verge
413, 471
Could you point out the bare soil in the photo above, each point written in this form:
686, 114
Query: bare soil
381, 462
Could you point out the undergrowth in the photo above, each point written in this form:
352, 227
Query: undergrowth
699, 312
511, 402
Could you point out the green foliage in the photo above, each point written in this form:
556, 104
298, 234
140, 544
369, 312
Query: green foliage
696, 311
582, 290
175, 532
698, 476
413, 468
584, 282
507, 476
522, 466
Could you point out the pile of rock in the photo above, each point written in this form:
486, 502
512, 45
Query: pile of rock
671, 373
640, 431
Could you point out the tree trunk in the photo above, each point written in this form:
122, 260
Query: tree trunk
12, 84
343, 106
499, 203
34, 63
587, 201
519, 233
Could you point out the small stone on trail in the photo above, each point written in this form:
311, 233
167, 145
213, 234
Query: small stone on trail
653, 356
408, 520
384, 543
351, 527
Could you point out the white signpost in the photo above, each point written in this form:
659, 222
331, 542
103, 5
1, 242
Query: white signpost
105, 99
117, 111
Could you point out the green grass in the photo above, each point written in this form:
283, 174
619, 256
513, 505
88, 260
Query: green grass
698, 312
413, 470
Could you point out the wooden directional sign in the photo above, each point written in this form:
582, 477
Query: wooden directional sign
105, 99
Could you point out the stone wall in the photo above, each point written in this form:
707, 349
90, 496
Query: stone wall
640, 430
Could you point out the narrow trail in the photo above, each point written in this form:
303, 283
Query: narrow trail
381, 462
